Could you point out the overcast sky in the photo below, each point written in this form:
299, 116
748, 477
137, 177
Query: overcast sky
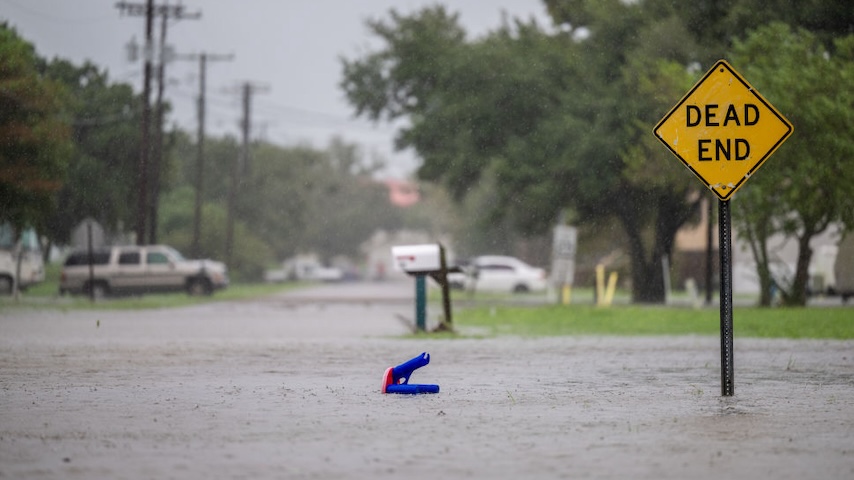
291, 47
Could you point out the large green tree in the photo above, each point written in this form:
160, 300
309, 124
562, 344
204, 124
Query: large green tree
553, 114
562, 119
34, 143
104, 123
596, 153
715, 24
807, 185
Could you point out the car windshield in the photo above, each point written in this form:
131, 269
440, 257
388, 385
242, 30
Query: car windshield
175, 254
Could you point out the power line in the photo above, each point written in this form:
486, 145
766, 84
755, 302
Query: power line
302, 115
303, 111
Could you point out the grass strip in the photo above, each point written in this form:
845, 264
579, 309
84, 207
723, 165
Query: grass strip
41, 300
817, 323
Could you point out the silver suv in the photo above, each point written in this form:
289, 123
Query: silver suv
139, 269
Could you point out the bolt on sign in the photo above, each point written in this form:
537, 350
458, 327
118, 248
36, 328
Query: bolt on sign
723, 130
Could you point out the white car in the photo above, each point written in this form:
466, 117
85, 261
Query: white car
498, 273
30, 266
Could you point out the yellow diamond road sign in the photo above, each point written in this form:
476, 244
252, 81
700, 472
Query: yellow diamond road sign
723, 130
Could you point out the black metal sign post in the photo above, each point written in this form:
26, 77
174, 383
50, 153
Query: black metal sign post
725, 245
723, 130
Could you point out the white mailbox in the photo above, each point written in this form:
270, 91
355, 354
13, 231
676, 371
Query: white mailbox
418, 258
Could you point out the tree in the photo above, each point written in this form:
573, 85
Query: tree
104, 128
389, 84
175, 217
551, 113
597, 155
252, 253
808, 184
716, 24
34, 143
346, 206
563, 120
320, 201
293, 200
281, 184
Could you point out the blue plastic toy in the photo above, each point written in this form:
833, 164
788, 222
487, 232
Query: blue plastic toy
396, 379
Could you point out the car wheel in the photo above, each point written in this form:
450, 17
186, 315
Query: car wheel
521, 288
199, 287
6, 284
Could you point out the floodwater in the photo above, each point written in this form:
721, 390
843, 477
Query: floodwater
290, 388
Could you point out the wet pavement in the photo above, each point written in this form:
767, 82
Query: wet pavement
289, 387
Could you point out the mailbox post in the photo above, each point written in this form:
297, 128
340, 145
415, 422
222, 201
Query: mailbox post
420, 302
421, 261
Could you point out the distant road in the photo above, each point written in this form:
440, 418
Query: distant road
387, 292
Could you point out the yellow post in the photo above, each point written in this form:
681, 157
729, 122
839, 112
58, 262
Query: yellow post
600, 285
612, 286
566, 294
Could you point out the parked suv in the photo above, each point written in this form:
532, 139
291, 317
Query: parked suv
139, 269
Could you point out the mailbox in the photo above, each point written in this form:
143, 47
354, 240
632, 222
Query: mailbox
418, 258
422, 261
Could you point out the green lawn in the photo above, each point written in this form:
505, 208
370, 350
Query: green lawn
552, 320
829, 323
45, 295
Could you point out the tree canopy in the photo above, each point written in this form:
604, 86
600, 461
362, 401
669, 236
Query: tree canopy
552, 114
104, 121
69, 144
523, 126
291, 200
562, 118
808, 185
34, 138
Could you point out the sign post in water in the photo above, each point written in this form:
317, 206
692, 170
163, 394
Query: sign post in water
723, 130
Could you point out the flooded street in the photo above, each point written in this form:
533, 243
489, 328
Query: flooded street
289, 387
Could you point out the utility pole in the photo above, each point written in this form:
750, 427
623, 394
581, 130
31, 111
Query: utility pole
142, 165
157, 150
239, 168
149, 9
200, 145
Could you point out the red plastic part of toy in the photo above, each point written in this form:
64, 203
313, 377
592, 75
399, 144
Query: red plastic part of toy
388, 378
